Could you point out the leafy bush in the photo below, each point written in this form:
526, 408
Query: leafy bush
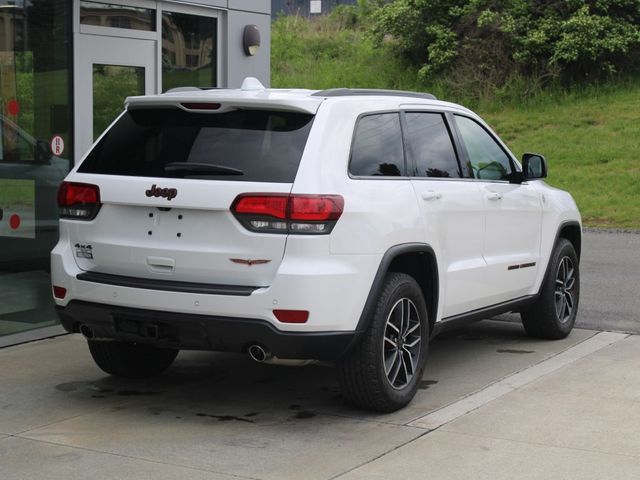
487, 43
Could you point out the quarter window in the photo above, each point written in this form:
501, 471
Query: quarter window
487, 159
430, 147
377, 147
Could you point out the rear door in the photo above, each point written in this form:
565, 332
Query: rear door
167, 179
451, 207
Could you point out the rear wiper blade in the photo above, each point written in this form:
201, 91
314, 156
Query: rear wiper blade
204, 168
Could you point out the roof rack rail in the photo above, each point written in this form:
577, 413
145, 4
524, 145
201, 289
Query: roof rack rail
344, 92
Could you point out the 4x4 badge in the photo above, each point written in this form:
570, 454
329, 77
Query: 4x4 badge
84, 251
167, 193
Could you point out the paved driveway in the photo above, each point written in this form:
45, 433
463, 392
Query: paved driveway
219, 416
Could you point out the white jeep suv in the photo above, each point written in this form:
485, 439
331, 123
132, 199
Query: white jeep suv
340, 225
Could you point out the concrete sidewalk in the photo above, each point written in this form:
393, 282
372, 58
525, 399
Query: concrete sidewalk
493, 404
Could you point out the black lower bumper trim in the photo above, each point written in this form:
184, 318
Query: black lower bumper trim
200, 332
166, 285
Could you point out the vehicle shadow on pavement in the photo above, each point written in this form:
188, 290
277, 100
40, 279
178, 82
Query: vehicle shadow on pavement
216, 387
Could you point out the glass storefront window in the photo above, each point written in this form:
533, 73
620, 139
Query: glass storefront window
35, 71
188, 50
101, 14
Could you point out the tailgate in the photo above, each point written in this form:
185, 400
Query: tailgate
167, 179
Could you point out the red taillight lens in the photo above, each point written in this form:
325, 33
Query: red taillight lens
316, 207
292, 316
59, 292
80, 201
277, 213
270, 205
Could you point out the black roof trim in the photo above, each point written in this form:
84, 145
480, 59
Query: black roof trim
345, 92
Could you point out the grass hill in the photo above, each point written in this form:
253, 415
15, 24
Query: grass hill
590, 135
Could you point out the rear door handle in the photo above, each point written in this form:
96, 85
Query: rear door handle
494, 196
431, 195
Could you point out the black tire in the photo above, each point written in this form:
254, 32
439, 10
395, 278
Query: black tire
553, 314
131, 360
366, 372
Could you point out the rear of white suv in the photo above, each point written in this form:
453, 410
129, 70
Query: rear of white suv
174, 230
291, 225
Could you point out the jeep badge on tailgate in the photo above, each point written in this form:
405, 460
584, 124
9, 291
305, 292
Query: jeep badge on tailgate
167, 193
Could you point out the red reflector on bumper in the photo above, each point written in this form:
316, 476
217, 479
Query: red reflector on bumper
292, 316
59, 292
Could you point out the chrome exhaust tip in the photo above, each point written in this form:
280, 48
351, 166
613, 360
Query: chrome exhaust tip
259, 354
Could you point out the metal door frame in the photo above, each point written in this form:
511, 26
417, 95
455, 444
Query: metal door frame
106, 45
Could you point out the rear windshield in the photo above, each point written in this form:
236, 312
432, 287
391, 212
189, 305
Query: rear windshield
245, 145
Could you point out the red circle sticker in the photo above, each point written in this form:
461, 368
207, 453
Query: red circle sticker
57, 145
14, 221
13, 107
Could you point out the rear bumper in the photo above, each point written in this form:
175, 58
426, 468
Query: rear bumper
333, 288
201, 332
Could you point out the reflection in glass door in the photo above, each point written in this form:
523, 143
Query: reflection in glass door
189, 46
111, 84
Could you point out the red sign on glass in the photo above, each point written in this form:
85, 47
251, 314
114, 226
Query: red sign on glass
57, 145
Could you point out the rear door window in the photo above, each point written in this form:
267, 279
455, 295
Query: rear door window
429, 146
377, 147
244, 145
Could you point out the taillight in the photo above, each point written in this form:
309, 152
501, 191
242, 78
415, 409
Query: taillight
279, 213
80, 201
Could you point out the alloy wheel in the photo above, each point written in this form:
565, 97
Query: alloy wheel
401, 343
565, 290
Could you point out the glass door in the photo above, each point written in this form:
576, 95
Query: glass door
108, 70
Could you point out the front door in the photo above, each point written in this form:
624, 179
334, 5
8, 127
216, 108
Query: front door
513, 216
108, 69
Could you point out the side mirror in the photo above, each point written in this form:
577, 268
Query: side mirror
41, 153
534, 166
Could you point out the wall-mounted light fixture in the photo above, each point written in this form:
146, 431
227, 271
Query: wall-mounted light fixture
251, 40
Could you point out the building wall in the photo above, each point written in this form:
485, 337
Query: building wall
238, 64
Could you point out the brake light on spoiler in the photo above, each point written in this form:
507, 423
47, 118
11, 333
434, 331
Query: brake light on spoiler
293, 213
78, 201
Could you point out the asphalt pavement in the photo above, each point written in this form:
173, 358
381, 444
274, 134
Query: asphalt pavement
610, 269
609, 282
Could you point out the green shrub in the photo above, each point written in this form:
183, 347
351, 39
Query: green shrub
486, 44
